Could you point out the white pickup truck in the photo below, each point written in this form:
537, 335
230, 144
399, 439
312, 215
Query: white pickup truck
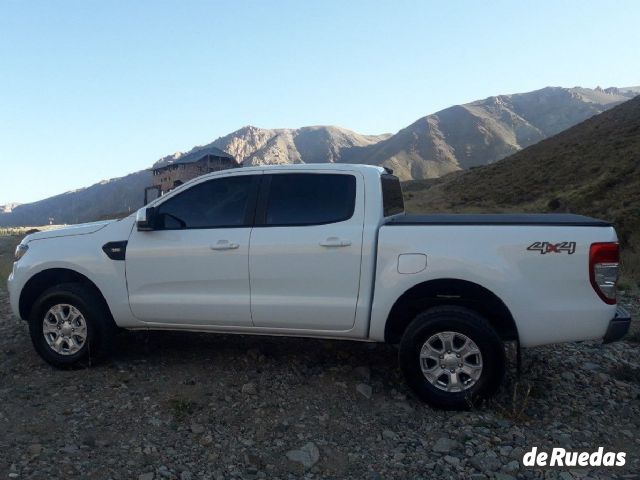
325, 251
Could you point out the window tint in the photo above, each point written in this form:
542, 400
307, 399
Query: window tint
392, 201
310, 198
217, 203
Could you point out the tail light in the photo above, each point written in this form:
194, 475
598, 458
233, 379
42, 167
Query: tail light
604, 261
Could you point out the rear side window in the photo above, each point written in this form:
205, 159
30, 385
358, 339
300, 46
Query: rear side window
222, 202
310, 198
392, 201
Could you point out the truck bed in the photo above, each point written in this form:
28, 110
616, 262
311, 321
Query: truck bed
544, 219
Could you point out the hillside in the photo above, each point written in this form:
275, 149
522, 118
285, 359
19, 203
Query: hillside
482, 132
592, 168
457, 138
102, 200
318, 144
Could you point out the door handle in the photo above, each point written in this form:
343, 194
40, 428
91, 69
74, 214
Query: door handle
224, 245
335, 242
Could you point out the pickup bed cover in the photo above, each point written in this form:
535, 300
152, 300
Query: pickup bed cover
549, 219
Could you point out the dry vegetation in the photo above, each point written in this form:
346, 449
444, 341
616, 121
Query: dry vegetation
8, 244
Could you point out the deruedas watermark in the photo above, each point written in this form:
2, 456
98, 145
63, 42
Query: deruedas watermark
560, 457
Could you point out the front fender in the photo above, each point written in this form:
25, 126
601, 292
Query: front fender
82, 254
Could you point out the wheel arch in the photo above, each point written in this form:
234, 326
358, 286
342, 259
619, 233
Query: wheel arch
449, 291
48, 278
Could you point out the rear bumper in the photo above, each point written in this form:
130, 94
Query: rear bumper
618, 326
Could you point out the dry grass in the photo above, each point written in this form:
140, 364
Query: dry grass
8, 245
181, 407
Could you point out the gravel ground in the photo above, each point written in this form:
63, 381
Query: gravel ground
191, 406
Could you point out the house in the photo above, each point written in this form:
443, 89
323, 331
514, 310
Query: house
173, 171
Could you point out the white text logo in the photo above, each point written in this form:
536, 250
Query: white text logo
560, 457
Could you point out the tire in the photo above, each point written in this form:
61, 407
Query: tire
423, 343
64, 302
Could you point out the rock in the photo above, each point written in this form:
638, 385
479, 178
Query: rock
365, 390
35, 449
444, 445
363, 372
253, 460
485, 463
568, 376
308, 455
146, 476
565, 476
398, 457
506, 450
186, 475
511, 467
405, 406
71, 449
503, 422
197, 428
564, 439
455, 461
155, 421
590, 366
504, 476
250, 388
389, 435
253, 353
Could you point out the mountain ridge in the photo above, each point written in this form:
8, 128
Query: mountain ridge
453, 139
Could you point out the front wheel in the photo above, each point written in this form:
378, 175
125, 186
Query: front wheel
69, 326
451, 357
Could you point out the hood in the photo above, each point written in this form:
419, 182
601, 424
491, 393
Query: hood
80, 229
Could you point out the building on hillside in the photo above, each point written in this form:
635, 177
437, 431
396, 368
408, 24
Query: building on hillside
173, 171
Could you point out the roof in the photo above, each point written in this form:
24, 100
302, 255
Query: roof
317, 166
191, 157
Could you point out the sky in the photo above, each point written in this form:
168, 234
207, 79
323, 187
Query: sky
91, 90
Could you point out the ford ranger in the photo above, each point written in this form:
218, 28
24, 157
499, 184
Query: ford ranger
325, 251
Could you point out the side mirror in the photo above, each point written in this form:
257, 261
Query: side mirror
146, 219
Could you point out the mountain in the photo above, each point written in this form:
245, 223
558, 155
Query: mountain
319, 144
592, 168
8, 207
482, 132
453, 139
104, 199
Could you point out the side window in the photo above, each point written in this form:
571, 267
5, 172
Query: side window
392, 201
222, 202
310, 198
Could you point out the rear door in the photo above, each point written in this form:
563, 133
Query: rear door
306, 250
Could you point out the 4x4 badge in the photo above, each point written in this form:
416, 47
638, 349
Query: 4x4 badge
548, 247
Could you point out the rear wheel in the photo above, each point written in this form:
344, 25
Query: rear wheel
451, 357
70, 326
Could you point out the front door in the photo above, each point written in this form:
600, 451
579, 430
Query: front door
193, 268
306, 250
